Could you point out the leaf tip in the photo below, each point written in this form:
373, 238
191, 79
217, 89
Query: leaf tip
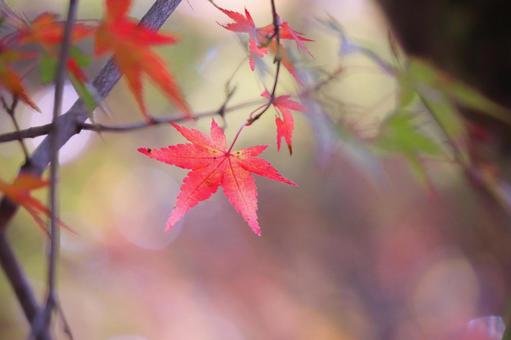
292, 183
168, 227
145, 151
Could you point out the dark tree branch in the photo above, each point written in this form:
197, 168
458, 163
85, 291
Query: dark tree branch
19, 283
68, 125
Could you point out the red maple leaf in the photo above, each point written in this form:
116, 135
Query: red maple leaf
212, 165
130, 44
19, 192
245, 24
285, 124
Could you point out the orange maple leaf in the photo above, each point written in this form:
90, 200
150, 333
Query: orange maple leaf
47, 31
19, 192
9, 79
130, 44
212, 165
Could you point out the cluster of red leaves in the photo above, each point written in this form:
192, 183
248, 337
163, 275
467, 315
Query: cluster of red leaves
129, 43
260, 41
211, 162
212, 165
47, 32
264, 39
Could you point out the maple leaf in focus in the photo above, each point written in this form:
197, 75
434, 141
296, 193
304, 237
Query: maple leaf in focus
130, 44
45, 30
19, 193
9, 79
245, 24
212, 165
285, 124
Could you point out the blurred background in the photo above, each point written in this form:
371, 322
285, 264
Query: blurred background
360, 250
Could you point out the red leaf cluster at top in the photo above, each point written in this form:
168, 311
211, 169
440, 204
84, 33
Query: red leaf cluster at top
264, 38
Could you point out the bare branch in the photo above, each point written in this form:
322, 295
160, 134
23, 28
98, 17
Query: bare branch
68, 125
43, 130
19, 283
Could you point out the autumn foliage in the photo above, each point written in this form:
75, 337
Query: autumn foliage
212, 163
420, 120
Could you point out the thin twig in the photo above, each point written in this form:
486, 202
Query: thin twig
43, 322
42, 130
488, 184
66, 328
19, 283
11, 111
277, 61
60, 78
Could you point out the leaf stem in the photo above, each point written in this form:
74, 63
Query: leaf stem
240, 130
277, 61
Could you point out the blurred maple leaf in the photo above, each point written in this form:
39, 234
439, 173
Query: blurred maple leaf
46, 31
214, 165
130, 44
9, 79
286, 32
19, 193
